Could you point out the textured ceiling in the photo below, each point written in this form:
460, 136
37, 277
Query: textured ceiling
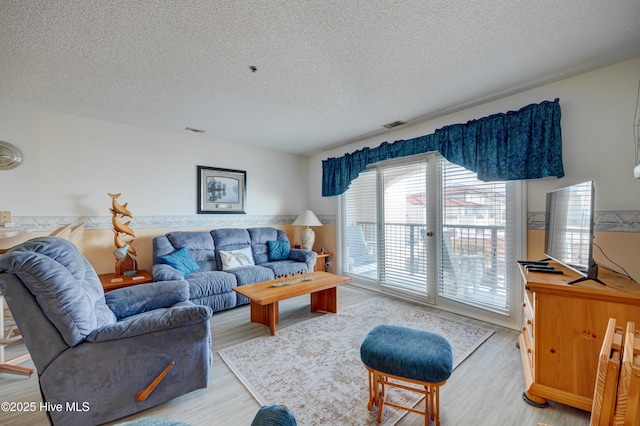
328, 72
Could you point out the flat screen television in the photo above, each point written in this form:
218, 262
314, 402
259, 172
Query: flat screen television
569, 229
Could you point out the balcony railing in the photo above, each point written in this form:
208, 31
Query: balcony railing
473, 256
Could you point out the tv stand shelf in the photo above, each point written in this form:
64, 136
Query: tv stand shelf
564, 327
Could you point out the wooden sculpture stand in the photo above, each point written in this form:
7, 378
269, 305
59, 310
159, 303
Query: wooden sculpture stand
125, 265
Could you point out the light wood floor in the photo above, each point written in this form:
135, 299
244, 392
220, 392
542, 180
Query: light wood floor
485, 389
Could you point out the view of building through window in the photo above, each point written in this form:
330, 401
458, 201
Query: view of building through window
425, 227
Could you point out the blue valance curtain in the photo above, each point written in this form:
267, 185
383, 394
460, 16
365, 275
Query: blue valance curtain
523, 144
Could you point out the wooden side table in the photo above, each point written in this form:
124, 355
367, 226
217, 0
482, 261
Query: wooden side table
323, 262
113, 281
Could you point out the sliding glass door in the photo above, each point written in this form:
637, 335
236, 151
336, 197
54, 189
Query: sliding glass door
404, 255
387, 227
427, 229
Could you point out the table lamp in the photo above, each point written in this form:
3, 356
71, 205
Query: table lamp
307, 218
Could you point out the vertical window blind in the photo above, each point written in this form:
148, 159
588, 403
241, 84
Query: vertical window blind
473, 239
359, 227
404, 224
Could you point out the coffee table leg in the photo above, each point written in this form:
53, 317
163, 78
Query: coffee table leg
266, 314
273, 317
325, 300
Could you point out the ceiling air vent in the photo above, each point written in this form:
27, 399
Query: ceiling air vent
394, 124
191, 129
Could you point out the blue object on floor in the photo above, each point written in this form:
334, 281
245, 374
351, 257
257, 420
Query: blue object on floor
274, 415
410, 355
152, 421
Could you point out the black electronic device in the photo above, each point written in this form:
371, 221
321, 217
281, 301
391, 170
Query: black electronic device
532, 262
539, 267
546, 270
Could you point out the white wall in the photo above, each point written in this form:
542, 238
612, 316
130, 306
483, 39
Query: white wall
597, 133
71, 162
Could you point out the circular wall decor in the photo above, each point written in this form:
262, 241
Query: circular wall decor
10, 156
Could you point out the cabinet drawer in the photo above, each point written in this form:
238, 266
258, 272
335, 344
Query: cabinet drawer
529, 319
529, 325
528, 328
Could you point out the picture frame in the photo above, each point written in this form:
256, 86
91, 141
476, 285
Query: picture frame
221, 190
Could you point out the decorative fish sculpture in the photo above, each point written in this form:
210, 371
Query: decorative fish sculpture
120, 209
117, 241
122, 227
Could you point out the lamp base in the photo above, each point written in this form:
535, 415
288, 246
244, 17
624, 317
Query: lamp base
308, 238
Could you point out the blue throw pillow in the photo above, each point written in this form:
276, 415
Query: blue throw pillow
182, 261
279, 250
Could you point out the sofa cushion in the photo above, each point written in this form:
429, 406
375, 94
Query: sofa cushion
128, 301
259, 238
282, 268
236, 258
231, 238
218, 302
208, 283
252, 274
182, 261
200, 245
279, 249
192, 240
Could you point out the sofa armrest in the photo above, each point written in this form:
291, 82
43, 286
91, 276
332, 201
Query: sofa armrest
164, 272
306, 256
150, 322
137, 299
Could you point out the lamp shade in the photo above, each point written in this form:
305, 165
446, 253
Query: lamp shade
307, 218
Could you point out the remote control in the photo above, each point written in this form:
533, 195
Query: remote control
533, 262
538, 266
548, 271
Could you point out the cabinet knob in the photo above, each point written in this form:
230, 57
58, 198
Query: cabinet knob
528, 350
524, 305
529, 321
524, 328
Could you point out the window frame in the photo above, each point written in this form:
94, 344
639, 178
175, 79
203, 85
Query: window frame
516, 212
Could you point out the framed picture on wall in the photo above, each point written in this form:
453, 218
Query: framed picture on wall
221, 190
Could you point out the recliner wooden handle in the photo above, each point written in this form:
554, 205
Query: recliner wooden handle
144, 393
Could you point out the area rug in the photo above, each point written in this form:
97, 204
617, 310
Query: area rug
314, 367
152, 421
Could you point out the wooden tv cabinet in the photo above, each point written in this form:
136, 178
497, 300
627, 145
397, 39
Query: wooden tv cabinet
563, 331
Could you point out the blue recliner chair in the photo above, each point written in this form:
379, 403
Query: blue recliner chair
99, 355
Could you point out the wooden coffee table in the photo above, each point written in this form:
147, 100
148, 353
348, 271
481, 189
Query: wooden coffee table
265, 296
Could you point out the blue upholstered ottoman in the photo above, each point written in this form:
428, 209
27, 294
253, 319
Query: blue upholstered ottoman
274, 415
408, 355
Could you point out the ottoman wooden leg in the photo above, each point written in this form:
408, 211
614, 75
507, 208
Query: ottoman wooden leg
428, 403
435, 404
372, 389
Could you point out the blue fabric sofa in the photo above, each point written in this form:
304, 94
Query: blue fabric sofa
94, 352
215, 262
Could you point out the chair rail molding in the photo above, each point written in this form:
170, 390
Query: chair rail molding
49, 223
605, 221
